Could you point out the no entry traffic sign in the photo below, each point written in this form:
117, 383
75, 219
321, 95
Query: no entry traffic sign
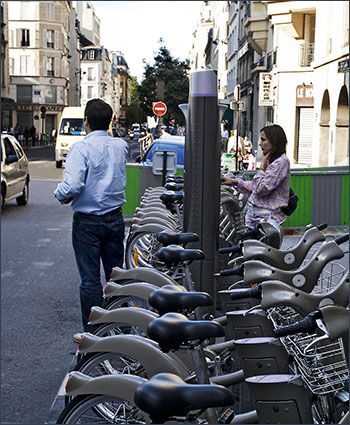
159, 108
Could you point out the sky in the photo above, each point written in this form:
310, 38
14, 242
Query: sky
135, 27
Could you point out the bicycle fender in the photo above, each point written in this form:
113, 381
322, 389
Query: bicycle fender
139, 317
141, 290
143, 350
155, 214
153, 220
142, 274
148, 228
120, 386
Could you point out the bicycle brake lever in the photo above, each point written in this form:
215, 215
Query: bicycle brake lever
314, 342
324, 329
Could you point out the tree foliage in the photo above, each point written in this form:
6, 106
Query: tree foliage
176, 85
135, 113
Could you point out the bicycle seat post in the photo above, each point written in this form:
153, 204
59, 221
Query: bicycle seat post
201, 369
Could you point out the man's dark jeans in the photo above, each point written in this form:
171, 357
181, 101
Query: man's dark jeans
94, 238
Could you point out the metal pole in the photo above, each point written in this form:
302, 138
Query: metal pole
237, 127
202, 174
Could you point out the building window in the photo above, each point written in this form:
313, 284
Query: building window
50, 11
24, 65
24, 93
24, 38
89, 93
50, 94
90, 74
50, 39
50, 67
91, 54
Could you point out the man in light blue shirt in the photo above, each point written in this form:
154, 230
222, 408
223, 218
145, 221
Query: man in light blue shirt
95, 182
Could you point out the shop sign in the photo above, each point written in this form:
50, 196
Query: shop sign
304, 95
265, 89
54, 108
24, 107
343, 66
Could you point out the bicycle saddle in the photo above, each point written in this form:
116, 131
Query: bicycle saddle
171, 196
171, 298
174, 186
169, 238
175, 254
174, 329
166, 395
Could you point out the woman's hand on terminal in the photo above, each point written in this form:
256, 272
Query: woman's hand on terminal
227, 180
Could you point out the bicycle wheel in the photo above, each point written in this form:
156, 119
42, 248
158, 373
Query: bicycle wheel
127, 301
142, 250
101, 409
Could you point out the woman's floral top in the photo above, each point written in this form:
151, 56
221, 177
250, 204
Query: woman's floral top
268, 189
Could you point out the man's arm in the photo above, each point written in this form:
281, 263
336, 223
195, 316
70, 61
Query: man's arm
74, 180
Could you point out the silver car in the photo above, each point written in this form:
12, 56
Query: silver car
14, 171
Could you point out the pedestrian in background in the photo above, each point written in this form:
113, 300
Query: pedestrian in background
32, 132
95, 182
224, 139
269, 189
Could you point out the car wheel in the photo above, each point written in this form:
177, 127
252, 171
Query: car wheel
58, 164
23, 199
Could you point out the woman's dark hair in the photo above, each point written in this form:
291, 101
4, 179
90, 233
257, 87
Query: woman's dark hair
98, 114
277, 137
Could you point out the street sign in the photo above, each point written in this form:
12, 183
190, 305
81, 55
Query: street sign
159, 108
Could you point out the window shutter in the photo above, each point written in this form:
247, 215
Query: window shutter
18, 37
57, 40
57, 67
44, 39
45, 67
37, 38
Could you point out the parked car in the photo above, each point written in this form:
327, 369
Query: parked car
14, 171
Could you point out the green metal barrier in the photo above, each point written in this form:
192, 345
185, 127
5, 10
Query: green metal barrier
323, 194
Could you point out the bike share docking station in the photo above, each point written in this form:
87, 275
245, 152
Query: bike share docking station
202, 174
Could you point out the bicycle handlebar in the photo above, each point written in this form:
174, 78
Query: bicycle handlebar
322, 226
254, 292
342, 239
306, 325
237, 271
252, 234
231, 249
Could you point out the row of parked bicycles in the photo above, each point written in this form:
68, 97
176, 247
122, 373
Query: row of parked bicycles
276, 353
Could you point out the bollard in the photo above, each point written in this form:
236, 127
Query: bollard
202, 174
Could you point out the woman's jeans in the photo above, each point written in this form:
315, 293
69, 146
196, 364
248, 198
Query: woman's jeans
96, 238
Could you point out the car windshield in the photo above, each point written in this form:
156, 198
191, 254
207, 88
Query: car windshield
72, 127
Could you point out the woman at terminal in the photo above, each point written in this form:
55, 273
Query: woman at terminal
269, 189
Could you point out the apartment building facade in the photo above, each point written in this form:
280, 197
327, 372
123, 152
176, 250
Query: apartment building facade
99, 77
121, 67
7, 104
38, 61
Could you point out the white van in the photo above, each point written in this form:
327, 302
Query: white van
70, 130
